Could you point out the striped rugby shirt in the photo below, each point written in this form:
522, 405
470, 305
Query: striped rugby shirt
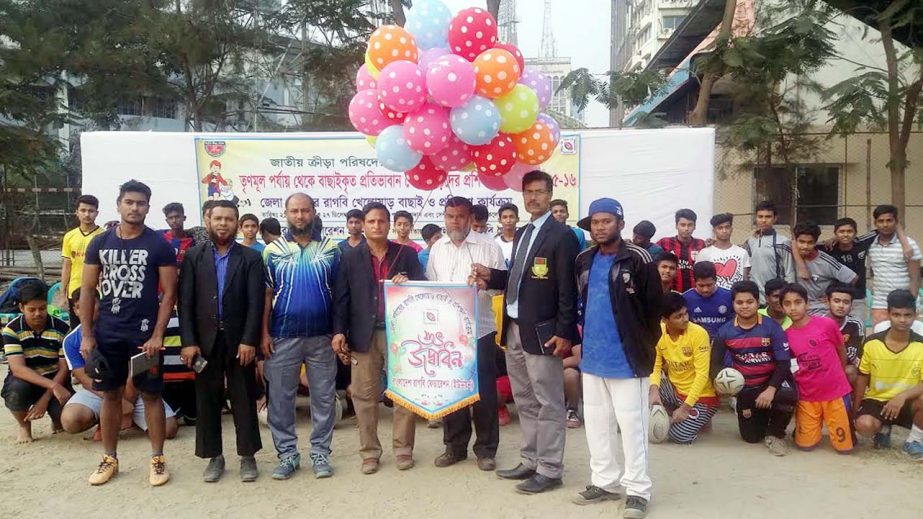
824, 270
889, 268
41, 350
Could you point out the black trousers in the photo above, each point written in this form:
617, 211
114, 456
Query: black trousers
754, 423
210, 397
457, 426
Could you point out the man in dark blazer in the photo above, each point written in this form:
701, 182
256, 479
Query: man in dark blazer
222, 293
539, 328
359, 330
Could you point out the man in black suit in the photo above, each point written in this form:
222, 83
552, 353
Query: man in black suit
359, 330
539, 327
221, 302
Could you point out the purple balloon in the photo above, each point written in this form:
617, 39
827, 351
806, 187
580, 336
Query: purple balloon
540, 83
549, 121
427, 57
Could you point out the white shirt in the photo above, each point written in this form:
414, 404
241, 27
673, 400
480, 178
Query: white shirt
889, 268
731, 264
507, 248
512, 310
450, 263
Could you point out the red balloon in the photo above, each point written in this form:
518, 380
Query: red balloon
514, 50
492, 182
392, 115
426, 175
495, 158
471, 32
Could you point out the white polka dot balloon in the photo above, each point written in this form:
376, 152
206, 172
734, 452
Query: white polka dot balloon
450, 80
365, 114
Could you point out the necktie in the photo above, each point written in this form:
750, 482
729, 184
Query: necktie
512, 286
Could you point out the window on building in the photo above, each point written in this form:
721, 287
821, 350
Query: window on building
642, 37
165, 108
130, 106
670, 23
806, 192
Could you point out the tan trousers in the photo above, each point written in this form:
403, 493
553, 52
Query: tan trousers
366, 389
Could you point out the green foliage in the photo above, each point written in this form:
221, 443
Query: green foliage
632, 87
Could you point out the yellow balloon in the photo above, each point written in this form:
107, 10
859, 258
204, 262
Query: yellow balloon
370, 67
371, 139
518, 109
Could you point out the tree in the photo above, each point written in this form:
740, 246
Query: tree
885, 97
630, 88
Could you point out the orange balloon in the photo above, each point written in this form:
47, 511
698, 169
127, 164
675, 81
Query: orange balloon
535, 145
497, 72
391, 43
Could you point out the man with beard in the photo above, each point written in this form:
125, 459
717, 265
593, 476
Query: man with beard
221, 305
300, 268
620, 290
450, 262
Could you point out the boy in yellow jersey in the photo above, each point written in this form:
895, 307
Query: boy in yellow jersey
890, 382
683, 354
73, 248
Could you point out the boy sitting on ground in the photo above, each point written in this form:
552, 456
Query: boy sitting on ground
890, 382
38, 380
683, 353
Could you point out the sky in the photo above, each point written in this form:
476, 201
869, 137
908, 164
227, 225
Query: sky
581, 34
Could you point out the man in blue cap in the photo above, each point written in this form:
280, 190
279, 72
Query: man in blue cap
620, 290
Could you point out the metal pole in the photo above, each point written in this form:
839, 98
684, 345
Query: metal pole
868, 183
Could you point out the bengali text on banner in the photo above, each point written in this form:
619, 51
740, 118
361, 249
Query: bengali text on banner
341, 173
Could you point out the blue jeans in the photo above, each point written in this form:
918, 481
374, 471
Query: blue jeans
282, 371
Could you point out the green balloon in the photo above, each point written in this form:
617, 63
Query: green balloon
518, 109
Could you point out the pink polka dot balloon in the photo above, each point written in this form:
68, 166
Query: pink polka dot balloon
402, 86
450, 80
513, 179
426, 175
540, 83
514, 50
471, 32
492, 182
392, 115
365, 114
427, 131
495, 158
364, 80
454, 156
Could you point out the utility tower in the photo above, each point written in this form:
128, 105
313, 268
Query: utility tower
508, 21
548, 47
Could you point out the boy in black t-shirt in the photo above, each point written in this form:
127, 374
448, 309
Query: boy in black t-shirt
127, 263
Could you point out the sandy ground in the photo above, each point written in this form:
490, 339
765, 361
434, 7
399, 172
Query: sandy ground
718, 477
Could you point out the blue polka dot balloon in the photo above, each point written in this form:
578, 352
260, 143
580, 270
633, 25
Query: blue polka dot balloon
393, 152
476, 122
428, 22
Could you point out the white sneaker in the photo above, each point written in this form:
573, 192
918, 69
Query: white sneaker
776, 446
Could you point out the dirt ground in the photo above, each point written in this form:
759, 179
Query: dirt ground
720, 476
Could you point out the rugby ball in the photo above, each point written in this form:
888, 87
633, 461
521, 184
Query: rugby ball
729, 381
659, 424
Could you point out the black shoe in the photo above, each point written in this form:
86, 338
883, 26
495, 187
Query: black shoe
448, 458
520, 472
538, 484
594, 494
248, 471
635, 508
214, 470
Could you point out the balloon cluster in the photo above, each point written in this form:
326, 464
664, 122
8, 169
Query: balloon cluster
442, 94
